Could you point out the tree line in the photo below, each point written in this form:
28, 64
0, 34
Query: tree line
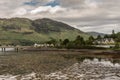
79, 42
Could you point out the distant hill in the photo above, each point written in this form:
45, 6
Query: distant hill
95, 34
19, 30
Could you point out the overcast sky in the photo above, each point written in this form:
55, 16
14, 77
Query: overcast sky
87, 15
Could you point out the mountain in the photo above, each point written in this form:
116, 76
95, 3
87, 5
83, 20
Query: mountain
95, 34
20, 30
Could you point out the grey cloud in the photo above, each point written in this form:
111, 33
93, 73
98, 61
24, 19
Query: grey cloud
71, 3
80, 13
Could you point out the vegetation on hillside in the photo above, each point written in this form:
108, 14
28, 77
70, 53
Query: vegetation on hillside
17, 30
80, 43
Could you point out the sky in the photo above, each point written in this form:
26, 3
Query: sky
87, 15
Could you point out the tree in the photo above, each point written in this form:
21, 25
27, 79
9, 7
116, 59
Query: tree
52, 41
70, 45
66, 41
113, 35
118, 37
79, 41
99, 37
117, 46
90, 40
113, 32
106, 36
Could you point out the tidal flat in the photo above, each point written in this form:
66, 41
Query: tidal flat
53, 65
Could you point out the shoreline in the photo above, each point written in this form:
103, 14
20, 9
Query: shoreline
72, 50
77, 71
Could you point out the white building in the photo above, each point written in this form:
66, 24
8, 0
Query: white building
105, 41
43, 45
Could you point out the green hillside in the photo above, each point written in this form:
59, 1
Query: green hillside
16, 30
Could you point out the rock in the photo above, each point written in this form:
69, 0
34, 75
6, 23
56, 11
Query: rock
87, 70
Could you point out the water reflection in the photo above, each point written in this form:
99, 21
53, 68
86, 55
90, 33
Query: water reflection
8, 49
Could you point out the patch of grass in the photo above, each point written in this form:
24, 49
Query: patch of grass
33, 62
46, 62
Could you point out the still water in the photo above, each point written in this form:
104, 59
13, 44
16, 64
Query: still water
60, 65
8, 49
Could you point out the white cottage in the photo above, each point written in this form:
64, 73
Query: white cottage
105, 41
